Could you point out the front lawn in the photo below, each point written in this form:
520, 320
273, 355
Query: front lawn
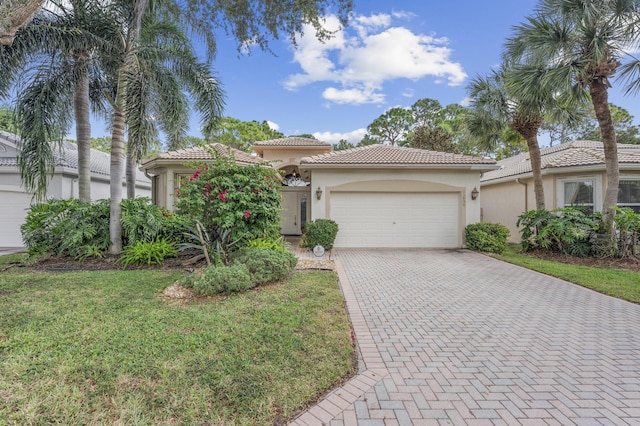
105, 347
624, 284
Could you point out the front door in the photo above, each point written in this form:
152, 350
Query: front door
294, 213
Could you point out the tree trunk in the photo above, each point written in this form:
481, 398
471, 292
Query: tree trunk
117, 175
528, 127
600, 100
15, 14
83, 136
536, 169
131, 174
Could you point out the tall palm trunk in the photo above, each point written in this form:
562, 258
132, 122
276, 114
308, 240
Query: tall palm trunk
83, 136
131, 174
117, 168
600, 100
528, 128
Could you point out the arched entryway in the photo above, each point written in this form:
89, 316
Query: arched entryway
295, 201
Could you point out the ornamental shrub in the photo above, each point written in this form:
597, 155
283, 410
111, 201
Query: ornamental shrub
150, 253
224, 196
628, 226
216, 279
266, 265
67, 228
320, 232
486, 236
81, 230
565, 230
277, 244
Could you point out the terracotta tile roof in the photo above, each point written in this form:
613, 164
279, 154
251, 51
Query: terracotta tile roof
571, 154
390, 155
291, 141
204, 153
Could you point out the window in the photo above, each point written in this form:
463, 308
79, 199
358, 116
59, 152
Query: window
629, 194
580, 194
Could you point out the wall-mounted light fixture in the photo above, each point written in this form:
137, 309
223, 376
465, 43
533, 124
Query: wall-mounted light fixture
319, 193
474, 193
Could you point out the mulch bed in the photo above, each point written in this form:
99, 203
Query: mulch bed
184, 263
65, 264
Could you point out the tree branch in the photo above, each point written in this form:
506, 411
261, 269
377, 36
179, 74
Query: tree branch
14, 14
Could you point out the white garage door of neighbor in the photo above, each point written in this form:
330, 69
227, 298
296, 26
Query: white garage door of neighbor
13, 210
373, 219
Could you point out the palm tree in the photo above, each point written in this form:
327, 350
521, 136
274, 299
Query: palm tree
154, 63
583, 43
53, 62
493, 108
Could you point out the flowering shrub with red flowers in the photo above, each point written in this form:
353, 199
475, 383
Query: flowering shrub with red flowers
225, 196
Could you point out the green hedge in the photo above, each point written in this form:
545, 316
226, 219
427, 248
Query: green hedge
266, 265
320, 232
486, 236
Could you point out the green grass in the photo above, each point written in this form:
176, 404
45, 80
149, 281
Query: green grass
104, 347
7, 259
614, 282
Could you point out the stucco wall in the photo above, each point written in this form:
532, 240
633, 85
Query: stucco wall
504, 202
65, 185
396, 180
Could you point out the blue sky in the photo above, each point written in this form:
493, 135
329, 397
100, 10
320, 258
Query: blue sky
392, 54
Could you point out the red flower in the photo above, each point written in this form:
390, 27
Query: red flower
195, 175
247, 213
221, 195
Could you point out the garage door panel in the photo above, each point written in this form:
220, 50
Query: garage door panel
369, 219
13, 212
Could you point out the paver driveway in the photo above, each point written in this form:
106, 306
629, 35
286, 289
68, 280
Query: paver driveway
453, 337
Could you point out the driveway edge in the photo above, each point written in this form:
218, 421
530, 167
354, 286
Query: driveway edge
339, 400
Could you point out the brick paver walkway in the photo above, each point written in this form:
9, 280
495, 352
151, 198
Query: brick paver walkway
453, 337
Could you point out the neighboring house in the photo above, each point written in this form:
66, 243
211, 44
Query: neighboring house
573, 175
15, 201
380, 196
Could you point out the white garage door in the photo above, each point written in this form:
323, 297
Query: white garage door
372, 219
13, 210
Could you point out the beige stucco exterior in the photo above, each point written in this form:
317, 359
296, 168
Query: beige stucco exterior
505, 200
402, 171
460, 182
165, 181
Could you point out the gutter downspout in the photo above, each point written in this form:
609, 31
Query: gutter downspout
153, 186
526, 199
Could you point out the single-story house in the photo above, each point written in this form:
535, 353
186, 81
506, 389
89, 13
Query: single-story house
15, 200
380, 196
573, 174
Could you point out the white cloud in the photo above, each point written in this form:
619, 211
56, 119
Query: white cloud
352, 96
353, 137
273, 126
361, 63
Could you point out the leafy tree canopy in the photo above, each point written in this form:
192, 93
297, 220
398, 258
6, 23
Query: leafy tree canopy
6, 119
342, 145
242, 134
